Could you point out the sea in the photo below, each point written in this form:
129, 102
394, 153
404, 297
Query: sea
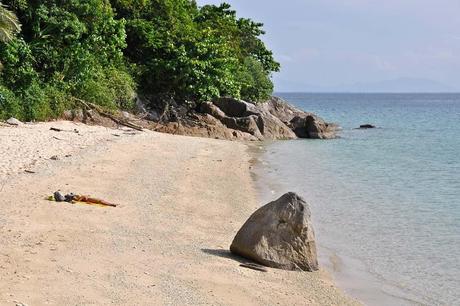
386, 201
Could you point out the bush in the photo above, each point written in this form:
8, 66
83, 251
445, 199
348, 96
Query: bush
256, 85
109, 88
35, 105
95, 49
9, 104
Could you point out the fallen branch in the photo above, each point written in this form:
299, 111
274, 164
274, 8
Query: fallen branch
97, 108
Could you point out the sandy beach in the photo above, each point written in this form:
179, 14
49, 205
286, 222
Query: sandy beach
181, 201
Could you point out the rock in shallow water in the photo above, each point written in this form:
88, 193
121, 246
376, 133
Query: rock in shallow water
279, 235
367, 126
314, 127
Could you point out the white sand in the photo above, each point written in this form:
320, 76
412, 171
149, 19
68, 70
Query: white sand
181, 202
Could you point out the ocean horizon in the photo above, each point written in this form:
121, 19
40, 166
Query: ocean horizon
385, 201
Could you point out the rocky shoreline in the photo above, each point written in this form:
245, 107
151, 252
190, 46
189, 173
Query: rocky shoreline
275, 119
225, 118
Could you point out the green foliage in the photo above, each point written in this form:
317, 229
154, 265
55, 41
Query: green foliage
255, 83
9, 103
66, 48
18, 70
103, 51
185, 52
111, 88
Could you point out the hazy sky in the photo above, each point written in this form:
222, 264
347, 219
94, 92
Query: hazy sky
330, 43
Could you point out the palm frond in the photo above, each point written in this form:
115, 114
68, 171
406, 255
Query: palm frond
9, 24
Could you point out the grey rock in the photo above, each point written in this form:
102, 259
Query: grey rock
282, 109
314, 127
75, 115
243, 116
126, 115
279, 235
234, 107
54, 157
244, 124
213, 110
13, 121
367, 126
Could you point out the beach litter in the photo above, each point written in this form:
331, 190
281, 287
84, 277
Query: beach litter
254, 266
75, 198
61, 130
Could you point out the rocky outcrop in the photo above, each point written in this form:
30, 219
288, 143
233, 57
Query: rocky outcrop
203, 125
241, 121
279, 235
274, 119
244, 113
234, 119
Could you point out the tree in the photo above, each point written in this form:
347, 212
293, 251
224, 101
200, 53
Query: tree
184, 52
66, 48
104, 50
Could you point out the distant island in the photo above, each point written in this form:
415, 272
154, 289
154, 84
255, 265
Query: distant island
397, 85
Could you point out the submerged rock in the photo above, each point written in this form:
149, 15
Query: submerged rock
279, 235
367, 126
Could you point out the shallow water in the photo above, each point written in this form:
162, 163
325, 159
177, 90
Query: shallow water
385, 201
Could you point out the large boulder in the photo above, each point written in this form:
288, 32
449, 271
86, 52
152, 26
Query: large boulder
314, 127
211, 109
270, 127
234, 107
279, 235
282, 109
248, 124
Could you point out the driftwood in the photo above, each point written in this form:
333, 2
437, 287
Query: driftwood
97, 108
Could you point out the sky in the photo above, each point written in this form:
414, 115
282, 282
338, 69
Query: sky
332, 45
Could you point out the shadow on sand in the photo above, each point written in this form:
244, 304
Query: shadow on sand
226, 254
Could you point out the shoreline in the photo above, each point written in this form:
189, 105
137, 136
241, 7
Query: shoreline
167, 241
348, 273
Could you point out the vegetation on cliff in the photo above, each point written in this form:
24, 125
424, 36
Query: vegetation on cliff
106, 51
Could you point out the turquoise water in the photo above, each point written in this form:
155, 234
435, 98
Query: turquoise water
386, 201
